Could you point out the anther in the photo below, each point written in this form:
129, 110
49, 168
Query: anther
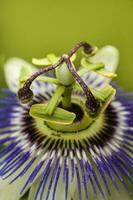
88, 49
92, 103
25, 94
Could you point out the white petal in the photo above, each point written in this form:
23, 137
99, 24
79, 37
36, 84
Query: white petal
12, 70
109, 55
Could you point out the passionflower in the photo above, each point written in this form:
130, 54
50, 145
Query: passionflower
67, 135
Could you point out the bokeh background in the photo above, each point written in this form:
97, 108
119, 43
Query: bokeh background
33, 28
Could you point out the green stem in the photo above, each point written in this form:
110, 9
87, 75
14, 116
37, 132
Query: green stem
54, 101
90, 67
48, 80
66, 100
43, 79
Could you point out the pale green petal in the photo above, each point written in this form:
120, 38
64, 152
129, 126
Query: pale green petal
73, 191
108, 55
60, 191
33, 189
12, 191
12, 69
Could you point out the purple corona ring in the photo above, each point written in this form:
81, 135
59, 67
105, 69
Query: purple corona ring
47, 157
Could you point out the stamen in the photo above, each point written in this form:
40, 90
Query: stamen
91, 102
88, 49
25, 94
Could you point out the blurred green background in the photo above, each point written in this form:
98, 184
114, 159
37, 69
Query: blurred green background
33, 28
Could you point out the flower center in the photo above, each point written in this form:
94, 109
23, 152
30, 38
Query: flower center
82, 126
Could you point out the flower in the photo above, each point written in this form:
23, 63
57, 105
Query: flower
54, 160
